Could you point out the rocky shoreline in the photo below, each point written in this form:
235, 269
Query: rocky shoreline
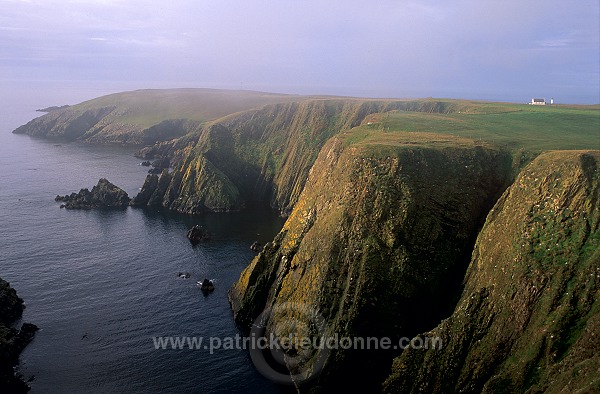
12, 340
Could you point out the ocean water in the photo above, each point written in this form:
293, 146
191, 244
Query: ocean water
101, 284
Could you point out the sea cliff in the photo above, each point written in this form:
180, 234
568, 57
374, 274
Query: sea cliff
472, 222
377, 243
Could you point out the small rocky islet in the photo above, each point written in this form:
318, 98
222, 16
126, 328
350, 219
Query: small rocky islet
103, 195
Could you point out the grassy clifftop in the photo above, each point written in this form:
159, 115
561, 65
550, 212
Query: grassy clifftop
529, 316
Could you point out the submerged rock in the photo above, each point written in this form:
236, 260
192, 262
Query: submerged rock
103, 195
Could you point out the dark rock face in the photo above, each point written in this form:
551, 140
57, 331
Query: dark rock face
155, 170
153, 191
103, 195
12, 341
161, 163
144, 195
197, 234
11, 305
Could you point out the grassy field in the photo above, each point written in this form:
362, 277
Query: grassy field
511, 126
149, 107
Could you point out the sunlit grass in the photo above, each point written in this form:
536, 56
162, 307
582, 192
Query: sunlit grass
511, 126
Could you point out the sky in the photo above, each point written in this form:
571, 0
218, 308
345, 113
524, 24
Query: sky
503, 50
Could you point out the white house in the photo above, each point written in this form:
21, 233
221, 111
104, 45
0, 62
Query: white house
538, 101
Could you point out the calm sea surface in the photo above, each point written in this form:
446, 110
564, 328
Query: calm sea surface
101, 284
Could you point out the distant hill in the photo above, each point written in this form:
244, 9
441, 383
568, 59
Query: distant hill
136, 117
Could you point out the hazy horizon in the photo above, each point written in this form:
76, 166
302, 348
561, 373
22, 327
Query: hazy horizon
62, 52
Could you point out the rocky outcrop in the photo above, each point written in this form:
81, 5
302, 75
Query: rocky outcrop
377, 245
155, 171
256, 246
12, 341
207, 286
197, 234
103, 195
529, 316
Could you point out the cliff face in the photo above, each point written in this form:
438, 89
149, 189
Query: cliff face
529, 315
263, 155
259, 156
11, 305
377, 244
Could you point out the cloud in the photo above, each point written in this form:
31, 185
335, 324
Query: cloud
386, 47
556, 43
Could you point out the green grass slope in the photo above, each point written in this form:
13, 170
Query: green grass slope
512, 126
